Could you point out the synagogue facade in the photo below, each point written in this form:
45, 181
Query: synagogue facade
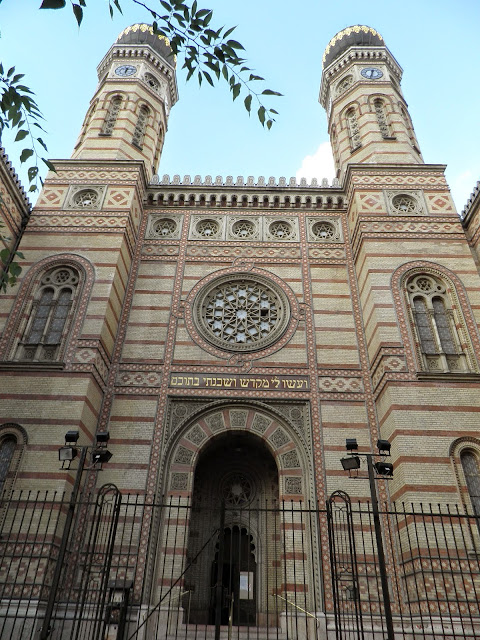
229, 334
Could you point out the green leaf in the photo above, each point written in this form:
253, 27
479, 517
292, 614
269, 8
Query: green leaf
200, 78
269, 124
261, 115
225, 72
236, 90
10, 71
17, 77
235, 45
273, 111
15, 269
269, 92
4, 255
203, 12
49, 165
208, 77
248, 102
20, 255
53, 4
227, 33
23, 133
253, 77
78, 11
32, 173
25, 155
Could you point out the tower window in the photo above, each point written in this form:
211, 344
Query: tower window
353, 129
111, 116
140, 127
344, 84
382, 118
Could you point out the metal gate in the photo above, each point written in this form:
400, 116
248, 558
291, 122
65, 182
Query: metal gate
55, 565
343, 562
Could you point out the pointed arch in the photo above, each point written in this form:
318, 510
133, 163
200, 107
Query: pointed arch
141, 126
13, 440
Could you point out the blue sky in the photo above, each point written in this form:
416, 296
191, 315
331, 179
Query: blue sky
436, 43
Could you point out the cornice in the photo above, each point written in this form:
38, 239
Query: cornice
111, 165
472, 203
11, 179
140, 51
352, 55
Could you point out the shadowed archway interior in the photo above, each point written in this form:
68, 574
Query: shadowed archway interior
234, 496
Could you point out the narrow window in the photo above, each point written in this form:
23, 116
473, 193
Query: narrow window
353, 129
472, 477
382, 118
140, 127
8, 445
424, 327
111, 116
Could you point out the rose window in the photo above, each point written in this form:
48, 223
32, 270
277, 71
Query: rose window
405, 204
323, 230
237, 490
426, 285
207, 228
86, 198
243, 229
281, 229
242, 314
164, 227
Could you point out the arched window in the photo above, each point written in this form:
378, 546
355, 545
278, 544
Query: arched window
471, 471
8, 445
111, 117
381, 114
13, 439
435, 324
140, 127
353, 129
50, 315
86, 124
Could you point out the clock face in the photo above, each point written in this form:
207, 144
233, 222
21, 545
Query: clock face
372, 73
125, 70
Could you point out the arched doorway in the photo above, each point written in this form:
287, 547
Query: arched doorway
234, 511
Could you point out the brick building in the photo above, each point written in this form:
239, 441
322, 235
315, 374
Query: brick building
230, 334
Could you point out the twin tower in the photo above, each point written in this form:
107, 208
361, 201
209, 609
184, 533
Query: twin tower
360, 90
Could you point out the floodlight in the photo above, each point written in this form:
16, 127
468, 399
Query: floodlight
67, 454
103, 437
384, 468
384, 447
353, 462
101, 455
351, 444
72, 436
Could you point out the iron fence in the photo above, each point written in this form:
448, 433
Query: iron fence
141, 569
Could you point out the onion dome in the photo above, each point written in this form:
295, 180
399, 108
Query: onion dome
356, 36
143, 34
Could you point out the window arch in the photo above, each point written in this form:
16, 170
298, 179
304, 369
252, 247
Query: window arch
111, 117
140, 127
353, 129
13, 439
50, 315
471, 471
382, 119
437, 324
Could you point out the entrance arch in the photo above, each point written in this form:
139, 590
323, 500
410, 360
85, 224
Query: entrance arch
247, 454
